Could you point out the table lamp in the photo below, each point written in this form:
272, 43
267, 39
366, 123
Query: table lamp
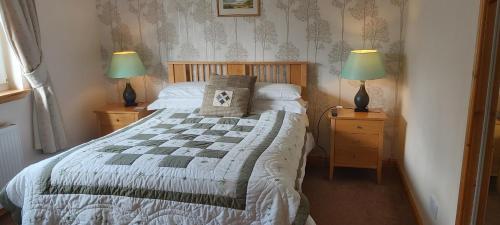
125, 65
363, 65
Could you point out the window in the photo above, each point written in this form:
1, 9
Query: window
11, 81
3, 82
3, 61
10, 67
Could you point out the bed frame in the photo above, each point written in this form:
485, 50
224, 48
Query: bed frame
274, 72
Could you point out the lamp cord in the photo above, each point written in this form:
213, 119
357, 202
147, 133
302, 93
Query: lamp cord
317, 129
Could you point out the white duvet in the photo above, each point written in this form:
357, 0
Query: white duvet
173, 167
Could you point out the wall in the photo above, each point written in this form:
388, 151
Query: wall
321, 32
440, 46
71, 49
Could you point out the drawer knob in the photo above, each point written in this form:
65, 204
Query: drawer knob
117, 120
359, 127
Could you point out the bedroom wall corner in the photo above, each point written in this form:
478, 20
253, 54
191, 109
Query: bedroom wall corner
71, 50
434, 94
70, 39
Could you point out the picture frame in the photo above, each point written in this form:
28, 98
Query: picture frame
238, 8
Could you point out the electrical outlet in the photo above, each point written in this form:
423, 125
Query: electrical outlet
434, 208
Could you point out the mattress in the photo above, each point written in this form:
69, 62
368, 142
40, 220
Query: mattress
173, 167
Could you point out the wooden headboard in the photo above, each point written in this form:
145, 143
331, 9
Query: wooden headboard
275, 72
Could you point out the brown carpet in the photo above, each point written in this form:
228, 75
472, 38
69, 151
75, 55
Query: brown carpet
5, 220
352, 198
493, 207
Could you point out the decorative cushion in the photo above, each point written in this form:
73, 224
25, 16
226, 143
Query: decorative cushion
239, 81
225, 101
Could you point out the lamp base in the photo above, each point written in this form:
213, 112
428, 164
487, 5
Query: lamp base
361, 110
129, 95
361, 99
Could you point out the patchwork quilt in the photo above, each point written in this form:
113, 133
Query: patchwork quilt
173, 167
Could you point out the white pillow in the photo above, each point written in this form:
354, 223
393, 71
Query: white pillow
179, 103
259, 106
263, 91
277, 91
299, 106
183, 90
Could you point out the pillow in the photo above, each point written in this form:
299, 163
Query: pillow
225, 101
299, 106
277, 91
258, 106
263, 90
179, 103
183, 90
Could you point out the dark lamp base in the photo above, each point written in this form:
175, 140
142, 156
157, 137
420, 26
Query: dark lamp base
131, 104
361, 99
361, 110
129, 96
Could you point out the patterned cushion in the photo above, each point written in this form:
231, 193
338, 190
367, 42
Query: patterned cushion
235, 81
225, 101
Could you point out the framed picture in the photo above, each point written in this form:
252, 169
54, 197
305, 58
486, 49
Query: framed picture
238, 7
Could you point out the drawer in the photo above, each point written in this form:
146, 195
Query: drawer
350, 140
116, 118
359, 126
356, 157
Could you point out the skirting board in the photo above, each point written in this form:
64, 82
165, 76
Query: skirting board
409, 194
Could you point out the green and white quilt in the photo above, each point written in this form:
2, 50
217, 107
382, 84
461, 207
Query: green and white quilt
173, 167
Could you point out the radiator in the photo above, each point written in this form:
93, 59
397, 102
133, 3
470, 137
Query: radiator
10, 153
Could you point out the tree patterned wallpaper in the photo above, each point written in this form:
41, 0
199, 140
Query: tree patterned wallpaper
321, 32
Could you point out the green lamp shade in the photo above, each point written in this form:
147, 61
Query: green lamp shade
125, 65
363, 65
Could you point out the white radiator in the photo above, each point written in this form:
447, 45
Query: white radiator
10, 153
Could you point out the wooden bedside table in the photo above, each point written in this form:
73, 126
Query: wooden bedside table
115, 116
357, 140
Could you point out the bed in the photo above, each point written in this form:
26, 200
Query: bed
177, 167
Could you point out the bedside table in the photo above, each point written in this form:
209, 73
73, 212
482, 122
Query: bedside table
115, 116
357, 140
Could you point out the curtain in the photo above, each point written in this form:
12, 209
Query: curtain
20, 22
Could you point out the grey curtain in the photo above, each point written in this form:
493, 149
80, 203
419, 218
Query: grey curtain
20, 21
